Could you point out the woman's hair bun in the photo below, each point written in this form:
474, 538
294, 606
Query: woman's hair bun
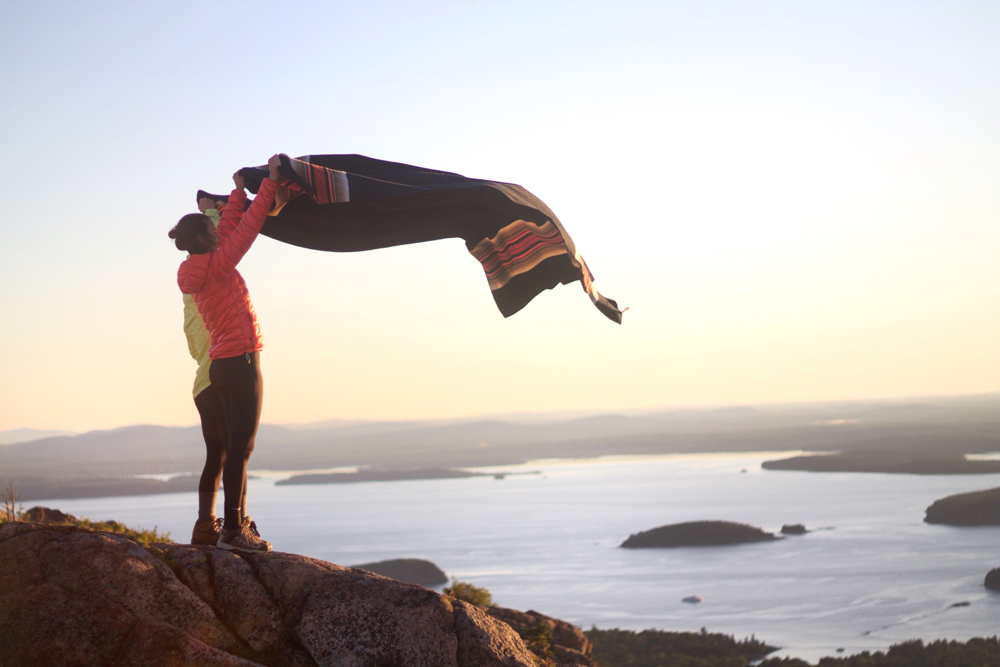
194, 233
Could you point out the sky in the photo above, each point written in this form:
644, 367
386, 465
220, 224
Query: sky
797, 201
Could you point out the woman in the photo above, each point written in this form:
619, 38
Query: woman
209, 275
209, 404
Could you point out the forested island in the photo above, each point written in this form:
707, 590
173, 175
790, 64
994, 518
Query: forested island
697, 534
912, 463
68, 487
411, 570
378, 475
977, 508
656, 648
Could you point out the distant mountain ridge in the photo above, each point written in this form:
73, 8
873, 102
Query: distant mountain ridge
951, 426
17, 435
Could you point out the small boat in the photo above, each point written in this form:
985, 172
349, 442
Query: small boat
693, 599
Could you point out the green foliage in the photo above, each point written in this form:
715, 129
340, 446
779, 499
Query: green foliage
466, 592
143, 536
655, 648
167, 558
538, 639
977, 652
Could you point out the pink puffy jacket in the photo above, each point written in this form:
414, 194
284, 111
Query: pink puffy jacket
218, 288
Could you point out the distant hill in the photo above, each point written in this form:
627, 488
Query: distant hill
948, 427
28, 434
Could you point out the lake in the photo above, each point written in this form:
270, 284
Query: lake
869, 574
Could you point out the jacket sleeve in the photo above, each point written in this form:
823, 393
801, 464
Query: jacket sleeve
231, 214
236, 244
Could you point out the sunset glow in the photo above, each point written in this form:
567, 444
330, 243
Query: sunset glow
797, 202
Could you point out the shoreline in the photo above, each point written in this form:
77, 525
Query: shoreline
920, 463
364, 534
33, 488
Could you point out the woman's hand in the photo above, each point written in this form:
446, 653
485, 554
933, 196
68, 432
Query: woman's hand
272, 164
238, 180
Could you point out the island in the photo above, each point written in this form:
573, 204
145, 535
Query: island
793, 529
913, 463
56, 487
378, 475
410, 570
977, 508
697, 534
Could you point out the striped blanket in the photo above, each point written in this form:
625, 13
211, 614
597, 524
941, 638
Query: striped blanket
347, 203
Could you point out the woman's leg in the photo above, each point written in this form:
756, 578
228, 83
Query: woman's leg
241, 385
214, 430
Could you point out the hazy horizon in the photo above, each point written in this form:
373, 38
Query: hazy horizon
529, 417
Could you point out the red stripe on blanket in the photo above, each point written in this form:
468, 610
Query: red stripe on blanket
516, 249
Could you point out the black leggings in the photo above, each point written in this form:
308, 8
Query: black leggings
213, 428
241, 392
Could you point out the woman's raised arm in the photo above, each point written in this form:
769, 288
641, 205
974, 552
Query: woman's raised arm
238, 240
234, 209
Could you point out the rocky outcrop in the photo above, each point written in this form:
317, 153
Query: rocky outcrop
697, 534
978, 508
70, 595
46, 515
793, 529
992, 581
547, 637
410, 570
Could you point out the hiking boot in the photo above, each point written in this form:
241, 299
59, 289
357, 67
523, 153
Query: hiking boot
242, 539
251, 524
206, 532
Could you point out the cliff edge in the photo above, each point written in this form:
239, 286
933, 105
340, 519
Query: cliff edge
70, 595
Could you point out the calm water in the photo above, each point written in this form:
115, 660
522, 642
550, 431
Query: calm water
870, 574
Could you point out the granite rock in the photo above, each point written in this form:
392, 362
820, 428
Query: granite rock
73, 595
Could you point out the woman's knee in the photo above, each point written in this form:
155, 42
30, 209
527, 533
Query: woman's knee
215, 461
239, 451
